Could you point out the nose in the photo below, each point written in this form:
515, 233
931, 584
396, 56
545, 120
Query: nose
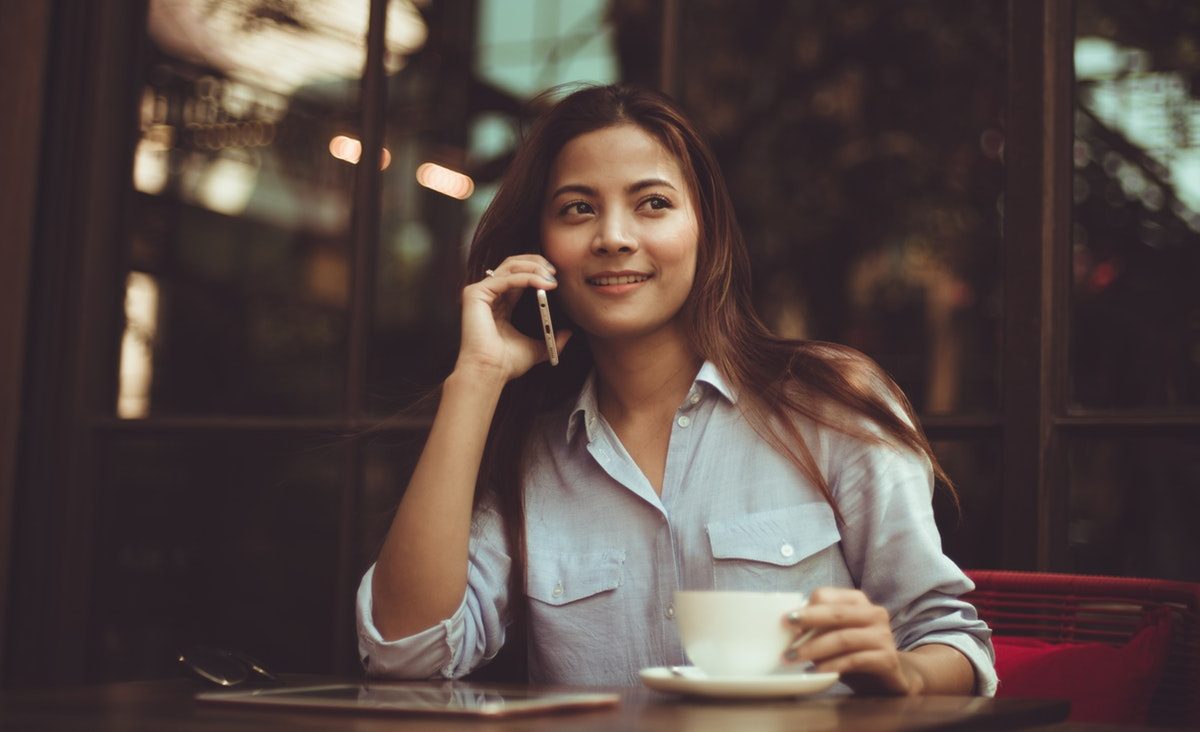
614, 237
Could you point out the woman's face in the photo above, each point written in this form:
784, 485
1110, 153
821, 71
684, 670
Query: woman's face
620, 226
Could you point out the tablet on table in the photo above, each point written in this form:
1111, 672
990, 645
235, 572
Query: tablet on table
409, 698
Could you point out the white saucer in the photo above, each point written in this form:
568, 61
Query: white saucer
694, 682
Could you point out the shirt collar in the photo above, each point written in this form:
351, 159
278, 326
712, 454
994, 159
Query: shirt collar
709, 374
587, 410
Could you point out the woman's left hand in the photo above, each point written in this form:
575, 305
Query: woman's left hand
853, 636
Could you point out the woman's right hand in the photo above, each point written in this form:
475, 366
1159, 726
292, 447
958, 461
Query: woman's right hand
489, 340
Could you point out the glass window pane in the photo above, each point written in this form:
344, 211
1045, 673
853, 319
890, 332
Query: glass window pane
972, 535
862, 142
1133, 507
243, 183
525, 46
1135, 307
463, 119
389, 459
218, 539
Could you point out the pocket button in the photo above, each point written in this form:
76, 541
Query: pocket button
558, 590
786, 551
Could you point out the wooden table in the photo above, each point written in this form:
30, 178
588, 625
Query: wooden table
169, 705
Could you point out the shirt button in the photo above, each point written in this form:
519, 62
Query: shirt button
684, 421
558, 590
787, 550
694, 398
670, 611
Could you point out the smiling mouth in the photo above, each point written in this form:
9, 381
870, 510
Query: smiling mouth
618, 280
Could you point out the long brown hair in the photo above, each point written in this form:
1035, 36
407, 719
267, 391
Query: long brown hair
776, 379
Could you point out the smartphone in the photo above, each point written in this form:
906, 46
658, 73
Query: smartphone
543, 304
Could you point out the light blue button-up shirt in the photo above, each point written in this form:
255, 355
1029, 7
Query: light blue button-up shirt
606, 553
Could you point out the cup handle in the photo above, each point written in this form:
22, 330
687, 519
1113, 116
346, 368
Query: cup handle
804, 638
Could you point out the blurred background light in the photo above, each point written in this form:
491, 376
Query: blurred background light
1152, 109
321, 40
227, 185
350, 150
137, 346
445, 181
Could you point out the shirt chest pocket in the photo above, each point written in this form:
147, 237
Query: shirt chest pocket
576, 608
783, 550
561, 578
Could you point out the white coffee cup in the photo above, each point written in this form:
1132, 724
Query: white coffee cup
733, 633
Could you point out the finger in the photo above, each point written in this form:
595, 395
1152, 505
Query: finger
839, 616
561, 337
792, 654
492, 289
513, 266
534, 349
504, 282
835, 643
838, 596
540, 353
802, 638
520, 263
508, 301
873, 662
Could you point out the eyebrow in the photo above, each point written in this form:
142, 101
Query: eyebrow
631, 188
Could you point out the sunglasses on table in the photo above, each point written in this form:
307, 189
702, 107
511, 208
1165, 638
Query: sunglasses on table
225, 667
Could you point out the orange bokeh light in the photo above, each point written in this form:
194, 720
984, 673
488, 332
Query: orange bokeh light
350, 150
445, 181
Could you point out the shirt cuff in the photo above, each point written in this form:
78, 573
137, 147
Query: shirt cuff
978, 652
429, 653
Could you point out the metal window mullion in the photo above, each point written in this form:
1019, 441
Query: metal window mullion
199, 423
668, 59
1135, 427
368, 196
1036, 232
1059, 41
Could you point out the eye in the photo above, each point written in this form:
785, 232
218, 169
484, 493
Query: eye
657, 203
577, 208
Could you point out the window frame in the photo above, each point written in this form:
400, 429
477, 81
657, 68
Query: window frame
74, 317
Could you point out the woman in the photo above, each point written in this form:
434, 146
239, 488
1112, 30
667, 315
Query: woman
679, 445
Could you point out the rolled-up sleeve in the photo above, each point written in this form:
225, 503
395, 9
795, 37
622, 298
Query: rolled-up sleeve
470, 637
894, 551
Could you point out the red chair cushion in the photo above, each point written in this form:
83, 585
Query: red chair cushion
1104, 683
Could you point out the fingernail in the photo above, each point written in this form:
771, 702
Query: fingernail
795, 616
549, 278
792, 654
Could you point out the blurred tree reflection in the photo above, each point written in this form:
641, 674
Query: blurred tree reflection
1135, 308
1135, 337
862, 141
